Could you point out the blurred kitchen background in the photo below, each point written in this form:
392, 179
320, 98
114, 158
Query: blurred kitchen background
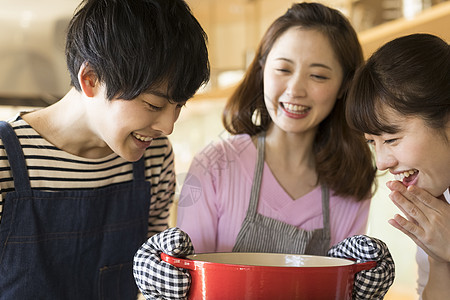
33, 75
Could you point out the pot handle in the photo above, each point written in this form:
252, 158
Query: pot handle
178, 262
365, 266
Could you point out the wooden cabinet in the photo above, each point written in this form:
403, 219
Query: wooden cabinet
235, 27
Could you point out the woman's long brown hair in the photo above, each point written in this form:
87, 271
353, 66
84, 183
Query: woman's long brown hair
343, 159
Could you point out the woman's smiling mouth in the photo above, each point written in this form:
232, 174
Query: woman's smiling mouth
294, 110
407, 177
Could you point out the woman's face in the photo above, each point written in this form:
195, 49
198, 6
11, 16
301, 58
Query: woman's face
416, 155
302, 78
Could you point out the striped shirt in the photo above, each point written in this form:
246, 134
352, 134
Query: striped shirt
52, 169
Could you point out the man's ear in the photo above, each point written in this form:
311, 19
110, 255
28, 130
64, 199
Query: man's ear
88, 80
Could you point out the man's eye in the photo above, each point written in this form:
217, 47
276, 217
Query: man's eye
153, 107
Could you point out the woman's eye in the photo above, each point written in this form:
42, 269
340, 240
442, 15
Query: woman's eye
281, 70
320, 77
370, 142
390, 141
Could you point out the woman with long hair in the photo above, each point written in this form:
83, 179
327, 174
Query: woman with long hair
293, 177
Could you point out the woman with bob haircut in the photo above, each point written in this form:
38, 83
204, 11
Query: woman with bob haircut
400, 100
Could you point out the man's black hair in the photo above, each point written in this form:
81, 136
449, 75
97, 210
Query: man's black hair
135, 46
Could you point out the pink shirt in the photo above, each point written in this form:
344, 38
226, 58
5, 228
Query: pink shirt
216, 194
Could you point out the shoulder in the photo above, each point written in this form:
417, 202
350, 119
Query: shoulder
23, 130
238, 143
226, 161
25, 133
20, 126
228, 146
228, 150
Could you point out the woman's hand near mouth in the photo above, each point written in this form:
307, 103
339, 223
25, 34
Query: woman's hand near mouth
427, 220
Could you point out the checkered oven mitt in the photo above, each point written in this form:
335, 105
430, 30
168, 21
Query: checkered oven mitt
157, 279
373, 283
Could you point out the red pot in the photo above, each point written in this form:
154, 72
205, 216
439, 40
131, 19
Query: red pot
262, 276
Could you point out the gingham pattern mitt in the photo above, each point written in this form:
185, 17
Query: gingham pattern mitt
157, 279
373, 283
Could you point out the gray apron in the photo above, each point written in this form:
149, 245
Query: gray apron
263, 234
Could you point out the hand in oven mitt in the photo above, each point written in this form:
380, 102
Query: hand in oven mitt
373, 283
157, 279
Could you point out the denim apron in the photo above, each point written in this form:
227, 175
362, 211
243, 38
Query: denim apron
263, 234
73, 244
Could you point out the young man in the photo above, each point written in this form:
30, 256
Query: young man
86, 181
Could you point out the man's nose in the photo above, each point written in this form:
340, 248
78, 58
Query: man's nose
165, 121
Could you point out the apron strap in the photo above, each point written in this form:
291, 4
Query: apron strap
257, 176
256, 186
326, 211
139, 169
16, 157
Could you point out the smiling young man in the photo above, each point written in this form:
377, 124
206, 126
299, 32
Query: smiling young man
85, 181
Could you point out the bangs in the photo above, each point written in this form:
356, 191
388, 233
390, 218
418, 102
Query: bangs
136, 46
179, 63
367, 103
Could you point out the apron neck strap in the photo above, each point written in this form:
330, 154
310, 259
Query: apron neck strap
256, 186
16, 157
139, 169
326, 210
257, 176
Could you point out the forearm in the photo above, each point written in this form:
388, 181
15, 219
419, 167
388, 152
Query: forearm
159, 214
438, 286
